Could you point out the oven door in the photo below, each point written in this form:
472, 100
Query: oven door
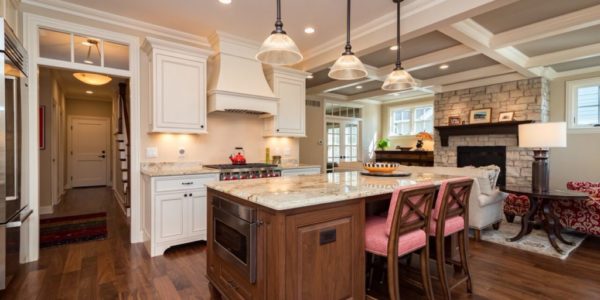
235, 241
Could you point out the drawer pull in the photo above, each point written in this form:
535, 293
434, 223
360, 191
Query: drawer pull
187, 183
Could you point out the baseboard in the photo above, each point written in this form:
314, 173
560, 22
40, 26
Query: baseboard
46, 210
121, 202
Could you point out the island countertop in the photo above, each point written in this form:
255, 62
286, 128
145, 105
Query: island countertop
284, 193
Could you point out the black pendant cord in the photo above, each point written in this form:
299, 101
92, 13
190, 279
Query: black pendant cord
278, 23
348, 46
398, 61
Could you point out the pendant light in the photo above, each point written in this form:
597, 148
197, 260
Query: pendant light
279, 48
348, 66
92, 78
399, 79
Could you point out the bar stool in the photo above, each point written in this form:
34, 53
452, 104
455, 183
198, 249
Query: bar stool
402, 232
450, 216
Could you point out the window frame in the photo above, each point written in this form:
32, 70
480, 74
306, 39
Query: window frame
571, 105
412, 121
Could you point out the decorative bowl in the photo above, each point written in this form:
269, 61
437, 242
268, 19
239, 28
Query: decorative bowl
381, 167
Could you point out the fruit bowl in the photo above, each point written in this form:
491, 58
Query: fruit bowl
381, 167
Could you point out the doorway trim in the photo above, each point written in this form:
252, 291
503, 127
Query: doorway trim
70, 145
30, 186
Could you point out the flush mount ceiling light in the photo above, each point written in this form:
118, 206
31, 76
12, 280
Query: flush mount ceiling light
309, 30
359, 87
89, 92
309, 76
444, 67
348, 66
92, 78
225, 1
399, 79
394, 48
279, 48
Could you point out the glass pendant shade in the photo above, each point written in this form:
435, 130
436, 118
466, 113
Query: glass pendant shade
399, 80
92, 79
347, 67
279, 49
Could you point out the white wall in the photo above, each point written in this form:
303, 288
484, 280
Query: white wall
580, 161
371, 130
312, 148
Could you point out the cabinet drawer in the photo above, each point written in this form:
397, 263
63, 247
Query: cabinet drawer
184, 183
234, 288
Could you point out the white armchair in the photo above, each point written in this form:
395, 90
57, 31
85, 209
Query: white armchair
485, 202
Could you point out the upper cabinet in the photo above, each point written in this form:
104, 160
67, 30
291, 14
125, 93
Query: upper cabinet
9, 10
289, 85
178, 87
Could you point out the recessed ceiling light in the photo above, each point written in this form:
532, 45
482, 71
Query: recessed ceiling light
394, 48
89, 92
309, 76
225, 1
444, 67
309, 30
358, 87
89, 62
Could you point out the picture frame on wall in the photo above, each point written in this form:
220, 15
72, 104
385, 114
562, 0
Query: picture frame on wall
454, 120
506, 116
480, 116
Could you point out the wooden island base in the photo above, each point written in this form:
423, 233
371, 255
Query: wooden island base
313, 252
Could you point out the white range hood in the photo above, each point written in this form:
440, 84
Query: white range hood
236, 82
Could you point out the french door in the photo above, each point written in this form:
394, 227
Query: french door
343, 141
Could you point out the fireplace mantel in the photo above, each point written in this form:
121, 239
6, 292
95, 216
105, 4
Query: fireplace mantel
511, 127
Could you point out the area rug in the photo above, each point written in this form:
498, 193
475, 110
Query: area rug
72, 229
536, 241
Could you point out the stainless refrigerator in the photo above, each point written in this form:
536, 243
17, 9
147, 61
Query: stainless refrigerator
13, 211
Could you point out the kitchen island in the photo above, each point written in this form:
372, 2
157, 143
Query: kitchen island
294, 237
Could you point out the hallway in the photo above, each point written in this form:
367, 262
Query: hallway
109, 268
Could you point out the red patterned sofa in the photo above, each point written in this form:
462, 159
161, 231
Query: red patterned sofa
582, 216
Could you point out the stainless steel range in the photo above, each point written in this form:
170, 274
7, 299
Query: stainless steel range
246, 171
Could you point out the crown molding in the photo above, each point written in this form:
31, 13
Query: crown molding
113, 19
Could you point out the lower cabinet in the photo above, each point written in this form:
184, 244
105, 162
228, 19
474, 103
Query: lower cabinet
174, 211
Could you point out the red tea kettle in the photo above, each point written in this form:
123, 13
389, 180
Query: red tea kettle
237, 158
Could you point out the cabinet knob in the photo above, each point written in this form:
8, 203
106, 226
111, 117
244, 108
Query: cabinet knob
190, 194
277, 130
201, 126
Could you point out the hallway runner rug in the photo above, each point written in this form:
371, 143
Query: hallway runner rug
72, 229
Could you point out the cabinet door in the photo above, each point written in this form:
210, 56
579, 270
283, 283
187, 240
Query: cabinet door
179, 94
292, 108
323, 248
198, 213
171, 216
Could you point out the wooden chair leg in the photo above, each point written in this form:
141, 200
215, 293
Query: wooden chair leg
393, 277
496, 225
509, 217
371, 271
441, 266
477, 235
463, 248
425, 273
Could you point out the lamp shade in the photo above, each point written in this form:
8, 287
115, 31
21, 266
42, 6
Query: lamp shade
543, 135
279, 49
399, 80
92, 78
347, 67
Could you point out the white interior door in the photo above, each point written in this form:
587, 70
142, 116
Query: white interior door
343, 141
89, 151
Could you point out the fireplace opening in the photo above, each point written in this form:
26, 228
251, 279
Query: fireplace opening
479, 156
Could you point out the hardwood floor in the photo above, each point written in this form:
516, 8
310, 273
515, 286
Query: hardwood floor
113, 268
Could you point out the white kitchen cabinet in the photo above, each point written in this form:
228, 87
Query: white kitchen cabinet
9, 10
177, 87
174, 210
289, 85
301, 171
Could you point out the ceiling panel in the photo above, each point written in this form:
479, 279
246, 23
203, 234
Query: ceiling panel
320, 77
569, 40
577, 64
400, 96
525, 12
366, 87
418, 46
456, 66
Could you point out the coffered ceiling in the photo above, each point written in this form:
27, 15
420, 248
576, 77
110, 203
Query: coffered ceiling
481, 41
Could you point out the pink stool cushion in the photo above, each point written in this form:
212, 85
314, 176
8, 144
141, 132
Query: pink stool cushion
453, 225
376, 239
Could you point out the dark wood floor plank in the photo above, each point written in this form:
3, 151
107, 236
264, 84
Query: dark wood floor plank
114, 268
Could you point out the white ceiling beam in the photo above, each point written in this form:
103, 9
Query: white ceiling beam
417, 19
564, 56
562, 24
473, 35
482, 82
494, 70
570, 73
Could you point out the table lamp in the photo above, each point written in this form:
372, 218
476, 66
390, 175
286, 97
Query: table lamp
422, 136
540, 137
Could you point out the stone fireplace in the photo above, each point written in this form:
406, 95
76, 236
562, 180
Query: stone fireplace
528, 99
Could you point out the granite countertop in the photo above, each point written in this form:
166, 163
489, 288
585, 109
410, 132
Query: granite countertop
194, 168
285, 193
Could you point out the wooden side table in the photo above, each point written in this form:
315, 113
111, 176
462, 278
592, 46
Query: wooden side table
550, 222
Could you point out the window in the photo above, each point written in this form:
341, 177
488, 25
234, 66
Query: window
338, 110
411, 120
583, 103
